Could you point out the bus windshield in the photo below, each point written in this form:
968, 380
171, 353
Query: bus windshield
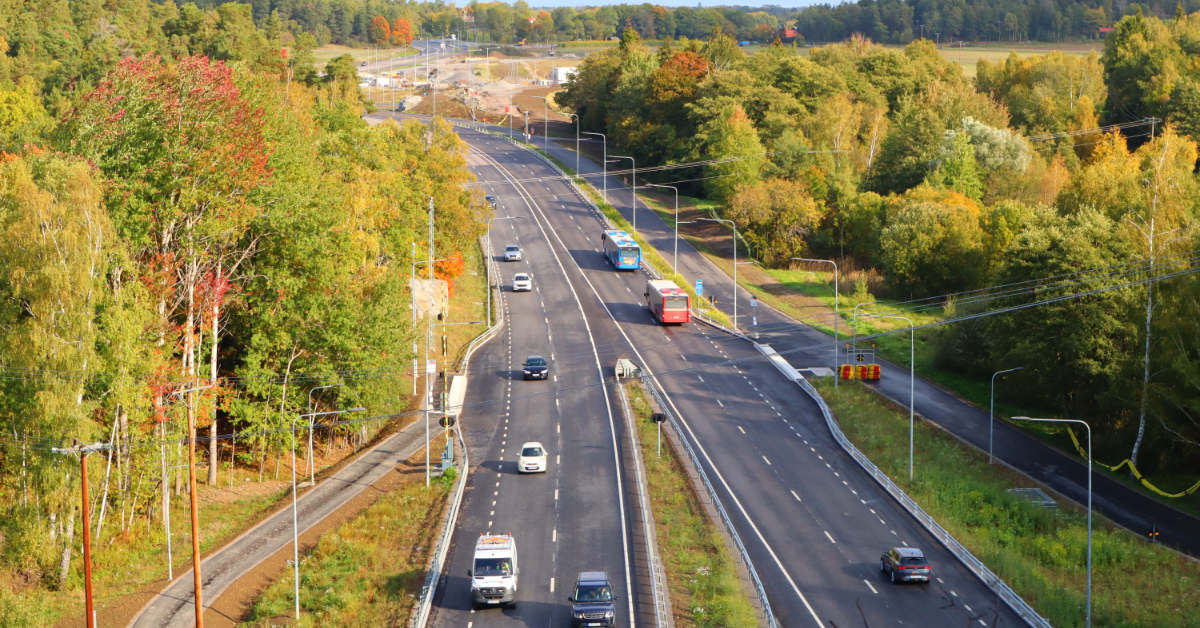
629, 253
678, 302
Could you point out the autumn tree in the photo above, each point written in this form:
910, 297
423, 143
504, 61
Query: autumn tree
775, 217
379, 31
402, 34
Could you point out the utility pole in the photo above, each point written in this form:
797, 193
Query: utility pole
82, 451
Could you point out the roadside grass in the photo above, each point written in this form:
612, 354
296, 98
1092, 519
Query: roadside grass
649, 253
1040, 553
123, 564
370, 570
895, 348
701, 575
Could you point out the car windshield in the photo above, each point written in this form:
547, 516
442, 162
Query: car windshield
913, 561
593, 593
493, 567
512, 247
531, 451
536, 362
520, 277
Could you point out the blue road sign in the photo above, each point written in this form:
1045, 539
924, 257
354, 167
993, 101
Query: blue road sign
699, 287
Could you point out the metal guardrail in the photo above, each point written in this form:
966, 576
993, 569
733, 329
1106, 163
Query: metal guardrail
657, 574
429, 589
712, 494
657, 577
990, 579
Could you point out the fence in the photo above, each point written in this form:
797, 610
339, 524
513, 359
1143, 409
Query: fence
991, 580
425, 603
712, 494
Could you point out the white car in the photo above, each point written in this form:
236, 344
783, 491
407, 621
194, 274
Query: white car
522, 282
532, 458
512, 253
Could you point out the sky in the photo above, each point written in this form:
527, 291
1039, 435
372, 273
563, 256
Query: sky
676, 3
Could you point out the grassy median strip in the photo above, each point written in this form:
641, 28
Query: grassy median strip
369, 571
701, 575
1040, 553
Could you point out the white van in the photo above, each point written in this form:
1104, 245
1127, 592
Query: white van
494, 571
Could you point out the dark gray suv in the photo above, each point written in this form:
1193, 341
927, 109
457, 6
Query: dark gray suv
905, 564
593, 601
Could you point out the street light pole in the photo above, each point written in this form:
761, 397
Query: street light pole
296, 510
675, 259
545, 122
167, 521
189, 401
854, 330
1089, 541
992, 410
735, 283
912, 378
632, 188
576, 141
429, 390
312, 477
488, 266
603, 161
836, 338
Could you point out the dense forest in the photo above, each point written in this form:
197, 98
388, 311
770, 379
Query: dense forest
901, 21
893, 162
885, 21
183, 200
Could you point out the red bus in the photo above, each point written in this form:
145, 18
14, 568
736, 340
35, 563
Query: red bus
667, 302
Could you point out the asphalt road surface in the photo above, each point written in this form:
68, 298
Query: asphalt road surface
805, 347
571, 518
814, 523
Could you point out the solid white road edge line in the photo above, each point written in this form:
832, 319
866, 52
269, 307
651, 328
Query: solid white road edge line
600, 375
679, 415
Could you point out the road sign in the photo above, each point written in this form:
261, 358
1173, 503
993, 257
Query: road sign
431, 367
753, 301
699, 287
658, 417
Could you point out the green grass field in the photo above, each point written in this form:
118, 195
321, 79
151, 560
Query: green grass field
1040, 553
369, 571
324, 54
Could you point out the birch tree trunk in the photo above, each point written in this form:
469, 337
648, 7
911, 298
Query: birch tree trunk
64, 566
213, 460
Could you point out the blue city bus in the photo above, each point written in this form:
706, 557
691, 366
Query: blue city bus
621, 250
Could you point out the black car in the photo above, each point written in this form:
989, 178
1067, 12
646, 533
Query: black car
905, 564
536, 368
491, 200
592, 603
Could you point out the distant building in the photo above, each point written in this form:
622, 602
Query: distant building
562, 75
1105, 30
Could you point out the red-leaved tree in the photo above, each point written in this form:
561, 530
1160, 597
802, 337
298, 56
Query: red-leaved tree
181, 149
379, 31
402, 32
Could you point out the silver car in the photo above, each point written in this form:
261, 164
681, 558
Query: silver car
512, 253
522, 282
905, 564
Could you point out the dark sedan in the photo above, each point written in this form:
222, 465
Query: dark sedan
535, 367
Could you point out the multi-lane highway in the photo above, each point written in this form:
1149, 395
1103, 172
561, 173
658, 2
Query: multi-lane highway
813, 522
805, 347
571, 518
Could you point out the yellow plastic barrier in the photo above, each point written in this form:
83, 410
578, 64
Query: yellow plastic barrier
1082, 452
